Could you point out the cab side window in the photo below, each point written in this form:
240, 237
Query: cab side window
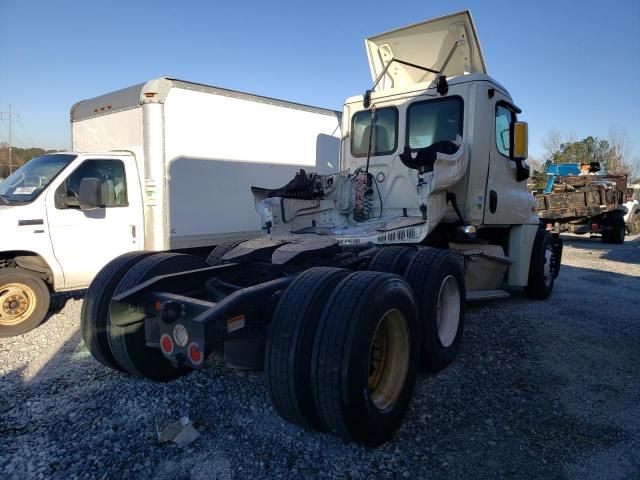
113, 185
504, 119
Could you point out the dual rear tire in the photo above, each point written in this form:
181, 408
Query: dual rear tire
343, 349
122, 347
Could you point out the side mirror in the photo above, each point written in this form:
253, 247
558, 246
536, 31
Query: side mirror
89, 194
520, 149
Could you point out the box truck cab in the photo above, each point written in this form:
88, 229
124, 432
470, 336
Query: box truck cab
164, 165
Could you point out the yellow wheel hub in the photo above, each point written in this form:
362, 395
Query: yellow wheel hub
17, 303
389, 359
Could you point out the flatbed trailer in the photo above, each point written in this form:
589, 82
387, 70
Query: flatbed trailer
585, 204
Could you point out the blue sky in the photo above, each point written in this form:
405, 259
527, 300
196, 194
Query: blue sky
570, 65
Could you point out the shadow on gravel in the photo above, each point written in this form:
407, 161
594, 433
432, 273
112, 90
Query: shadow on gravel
59, 301
539, 390
628, 252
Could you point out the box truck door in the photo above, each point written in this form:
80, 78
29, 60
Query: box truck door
85, 240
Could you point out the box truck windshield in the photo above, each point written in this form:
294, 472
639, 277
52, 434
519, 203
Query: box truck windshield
26, 183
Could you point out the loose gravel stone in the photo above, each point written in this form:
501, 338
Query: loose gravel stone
540, 390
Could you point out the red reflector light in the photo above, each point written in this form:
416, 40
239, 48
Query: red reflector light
195, 354
594, 226
158, 306
166, 344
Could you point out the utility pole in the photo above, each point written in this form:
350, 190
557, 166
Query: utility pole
10, 116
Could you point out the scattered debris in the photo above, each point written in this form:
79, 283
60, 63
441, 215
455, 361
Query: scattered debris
180, 432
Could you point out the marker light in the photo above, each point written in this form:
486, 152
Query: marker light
180, 335
166, 344
195, 354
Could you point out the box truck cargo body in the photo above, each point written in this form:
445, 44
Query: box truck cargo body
164, 165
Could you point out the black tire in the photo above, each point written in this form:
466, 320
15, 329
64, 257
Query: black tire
290, 343
615, 231
618, 230
128, 343
343, 365
434, 275
541, 278
392, 259
215, 257
94, 316
24, 301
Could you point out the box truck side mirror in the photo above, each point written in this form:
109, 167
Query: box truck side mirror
89, 193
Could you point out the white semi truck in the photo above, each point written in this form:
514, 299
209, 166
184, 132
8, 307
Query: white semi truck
361, 275
164, 165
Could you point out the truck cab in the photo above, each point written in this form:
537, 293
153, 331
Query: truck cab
433, 154
63, 216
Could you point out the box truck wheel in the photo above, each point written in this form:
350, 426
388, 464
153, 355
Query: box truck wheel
290, 341
24, 301
438, 285
94, 316
541, 268
392, 259
127, 343
365, 357
215, 257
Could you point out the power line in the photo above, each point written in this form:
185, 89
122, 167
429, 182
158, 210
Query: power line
33, 143
17, 139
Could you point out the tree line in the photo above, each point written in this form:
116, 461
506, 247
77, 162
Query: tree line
613, 153
19, 156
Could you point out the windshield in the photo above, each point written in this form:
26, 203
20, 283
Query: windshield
434, 121
26, 183
380, 128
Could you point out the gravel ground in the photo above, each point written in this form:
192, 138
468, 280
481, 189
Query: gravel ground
540, 389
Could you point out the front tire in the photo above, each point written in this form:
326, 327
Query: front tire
365, 357
24, 301
541, 268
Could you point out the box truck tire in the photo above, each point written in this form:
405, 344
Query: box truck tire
94, 317
24, 301
127, 343
365, 357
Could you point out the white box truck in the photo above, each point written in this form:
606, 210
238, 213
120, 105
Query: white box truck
163, 165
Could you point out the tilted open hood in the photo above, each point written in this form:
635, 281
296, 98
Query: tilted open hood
427, 44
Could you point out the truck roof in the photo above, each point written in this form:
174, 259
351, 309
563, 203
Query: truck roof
429, 88
156, 91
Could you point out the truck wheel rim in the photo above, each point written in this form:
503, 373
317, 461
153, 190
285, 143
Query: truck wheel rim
17, 303
388, 359
448, 310
548, 256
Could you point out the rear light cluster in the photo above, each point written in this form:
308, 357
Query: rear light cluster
181, 338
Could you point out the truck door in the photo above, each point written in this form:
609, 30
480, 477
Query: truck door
508, 201
85, 240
